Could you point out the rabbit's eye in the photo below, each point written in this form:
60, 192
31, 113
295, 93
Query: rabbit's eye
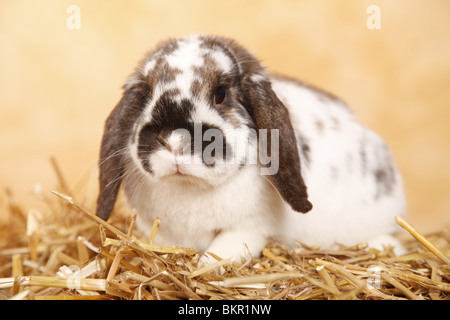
219, 94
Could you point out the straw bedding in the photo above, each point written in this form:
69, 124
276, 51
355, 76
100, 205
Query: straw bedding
67, 253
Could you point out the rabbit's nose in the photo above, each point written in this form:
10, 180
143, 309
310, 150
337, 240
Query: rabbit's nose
177, 150
176, 144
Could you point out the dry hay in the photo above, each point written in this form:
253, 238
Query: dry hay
68, 253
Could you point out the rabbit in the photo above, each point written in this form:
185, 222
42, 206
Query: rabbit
230, 157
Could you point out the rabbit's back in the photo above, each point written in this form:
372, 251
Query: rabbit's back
351, 175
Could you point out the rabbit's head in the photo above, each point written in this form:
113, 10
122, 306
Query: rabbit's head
198, 110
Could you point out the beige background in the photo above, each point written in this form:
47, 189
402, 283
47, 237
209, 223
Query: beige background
58, 85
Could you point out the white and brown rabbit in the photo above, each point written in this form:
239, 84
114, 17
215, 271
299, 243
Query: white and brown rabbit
228, 156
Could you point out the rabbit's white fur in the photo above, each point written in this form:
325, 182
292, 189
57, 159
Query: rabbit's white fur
335, 136
353, 183
246, 226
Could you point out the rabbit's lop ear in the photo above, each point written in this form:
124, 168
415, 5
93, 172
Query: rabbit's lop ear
269, 113
116, 138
